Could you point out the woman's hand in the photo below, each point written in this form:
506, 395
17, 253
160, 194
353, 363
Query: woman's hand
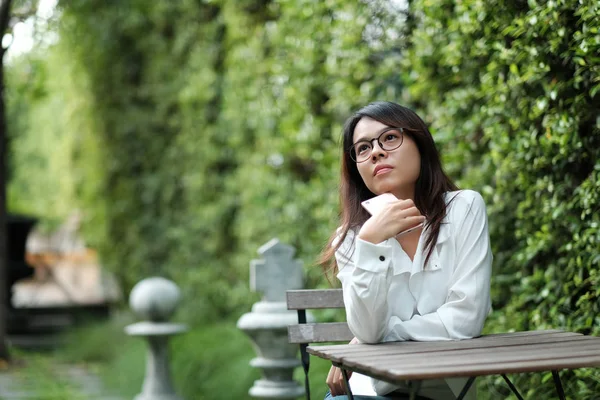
335, 379
395, 217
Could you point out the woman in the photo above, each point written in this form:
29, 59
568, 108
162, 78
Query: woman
432, 283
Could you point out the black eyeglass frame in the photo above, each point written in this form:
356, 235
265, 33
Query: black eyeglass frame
351, 149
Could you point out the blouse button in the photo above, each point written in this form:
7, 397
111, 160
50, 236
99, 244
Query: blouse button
381, 258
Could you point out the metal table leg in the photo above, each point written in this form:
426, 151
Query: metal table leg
558, 384
347, 384
466, 388
512, 387
414, 387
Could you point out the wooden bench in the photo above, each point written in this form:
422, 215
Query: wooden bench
305, 333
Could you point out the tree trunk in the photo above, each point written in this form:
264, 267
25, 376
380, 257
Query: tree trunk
4, 354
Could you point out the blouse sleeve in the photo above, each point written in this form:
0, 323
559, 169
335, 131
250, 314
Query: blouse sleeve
364, 270
468, 301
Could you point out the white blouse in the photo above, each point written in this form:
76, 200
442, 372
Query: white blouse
388, 297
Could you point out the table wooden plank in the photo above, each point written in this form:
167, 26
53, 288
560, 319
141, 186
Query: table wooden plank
397, 375
497, 368
478, 356
504, 353
397, 351
424, 347
466, 356
523, 333
499, 338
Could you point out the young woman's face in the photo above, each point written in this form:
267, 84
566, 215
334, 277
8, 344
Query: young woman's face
395, 171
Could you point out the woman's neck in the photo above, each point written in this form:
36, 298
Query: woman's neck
405, 193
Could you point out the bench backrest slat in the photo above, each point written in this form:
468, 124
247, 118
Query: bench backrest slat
314, 299
319, 333
304, 333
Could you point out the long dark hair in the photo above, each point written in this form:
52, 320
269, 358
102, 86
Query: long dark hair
429, 188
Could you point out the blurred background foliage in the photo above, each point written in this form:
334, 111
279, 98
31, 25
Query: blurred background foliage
191, 132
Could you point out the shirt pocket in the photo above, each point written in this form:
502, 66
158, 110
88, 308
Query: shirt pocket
435, 285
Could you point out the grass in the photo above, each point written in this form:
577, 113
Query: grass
208, 362
38, 376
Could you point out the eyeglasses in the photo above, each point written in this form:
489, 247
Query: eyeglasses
390, 139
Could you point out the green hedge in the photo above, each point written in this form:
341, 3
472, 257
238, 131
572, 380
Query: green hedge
511, 91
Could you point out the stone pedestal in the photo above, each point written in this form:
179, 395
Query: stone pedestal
156, 299
267, 324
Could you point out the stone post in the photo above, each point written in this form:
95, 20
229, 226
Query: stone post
267, 323
155, 300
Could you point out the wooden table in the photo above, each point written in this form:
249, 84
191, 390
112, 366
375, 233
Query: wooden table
487, 355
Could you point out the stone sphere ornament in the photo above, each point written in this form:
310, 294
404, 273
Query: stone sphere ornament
154, 299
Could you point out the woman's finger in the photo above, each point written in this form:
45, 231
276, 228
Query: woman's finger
333, 387
409, 212
403, 204
334, 382
411, 224
339, 390
329, 380
341, 385
339, 382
